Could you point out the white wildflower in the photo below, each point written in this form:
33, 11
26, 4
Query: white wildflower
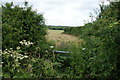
5, 52
46, 51
83, 48
18, 47
16, 60
11, 48
21, 43
37, 47
19, 54
51, 47
11, 55
9, 51
24, 40
26, 43
18, 57
25, 56
31, 43
21, 58
14, 56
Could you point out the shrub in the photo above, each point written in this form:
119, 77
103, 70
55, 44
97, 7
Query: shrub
17, 65
22, 23
100, 59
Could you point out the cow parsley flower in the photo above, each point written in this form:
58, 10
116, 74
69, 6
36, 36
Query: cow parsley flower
51, 47
18, 47
83, 48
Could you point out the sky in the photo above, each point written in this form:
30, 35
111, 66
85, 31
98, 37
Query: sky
63, 12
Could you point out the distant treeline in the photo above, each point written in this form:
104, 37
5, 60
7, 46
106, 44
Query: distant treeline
58, 27
76, 31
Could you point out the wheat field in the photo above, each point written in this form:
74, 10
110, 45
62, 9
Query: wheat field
59, 38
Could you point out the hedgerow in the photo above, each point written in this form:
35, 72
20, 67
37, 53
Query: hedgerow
102, 39
22, 23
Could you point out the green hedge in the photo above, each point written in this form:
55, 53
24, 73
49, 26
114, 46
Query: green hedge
101, 49
22, 23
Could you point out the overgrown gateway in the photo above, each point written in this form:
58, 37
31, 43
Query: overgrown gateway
27, 52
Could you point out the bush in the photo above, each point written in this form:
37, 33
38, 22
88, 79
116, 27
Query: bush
17, 65
99, 59
21, 23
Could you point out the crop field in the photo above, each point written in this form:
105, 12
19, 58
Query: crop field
58, 37
63, 41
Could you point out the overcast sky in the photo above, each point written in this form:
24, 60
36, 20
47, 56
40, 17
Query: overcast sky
63, 12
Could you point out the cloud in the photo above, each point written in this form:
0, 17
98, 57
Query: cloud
63, 12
